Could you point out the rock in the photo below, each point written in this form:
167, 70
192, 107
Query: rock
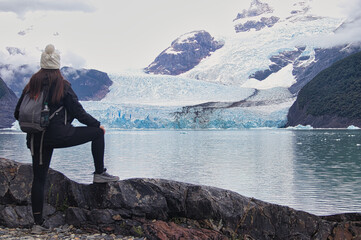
164, 230
257, 25
20, 185
16, 216
76, 216
163, 209
257, 8
278, 62
8, 102
184, 53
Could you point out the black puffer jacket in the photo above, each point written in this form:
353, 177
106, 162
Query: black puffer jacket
60, 129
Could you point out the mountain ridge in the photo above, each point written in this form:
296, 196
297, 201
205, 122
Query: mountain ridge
332, 98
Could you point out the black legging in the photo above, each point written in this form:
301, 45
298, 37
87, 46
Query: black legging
81, 135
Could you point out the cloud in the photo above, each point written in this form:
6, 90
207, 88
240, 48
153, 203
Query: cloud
21, 7
16, 60
71, 59
350, 30
351, 8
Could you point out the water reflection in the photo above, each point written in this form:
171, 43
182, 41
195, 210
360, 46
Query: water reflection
316, 171
328, 170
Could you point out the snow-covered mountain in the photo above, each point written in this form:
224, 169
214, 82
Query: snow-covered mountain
248, 78
273, 52
184, 53
268, 48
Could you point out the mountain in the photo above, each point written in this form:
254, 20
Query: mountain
8, 102
265, 41
332, 99
273, 51
89, 84
184, 53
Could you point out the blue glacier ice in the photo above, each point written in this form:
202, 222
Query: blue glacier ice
158, 117
141, 101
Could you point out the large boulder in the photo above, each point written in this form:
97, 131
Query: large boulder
162, 209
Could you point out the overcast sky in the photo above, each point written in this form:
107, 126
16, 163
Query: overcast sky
113, 35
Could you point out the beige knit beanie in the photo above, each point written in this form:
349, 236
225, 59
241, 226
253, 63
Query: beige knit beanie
50, 59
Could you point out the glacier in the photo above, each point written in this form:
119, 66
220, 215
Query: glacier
142, 101
121, 116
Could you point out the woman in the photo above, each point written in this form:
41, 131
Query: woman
60, 133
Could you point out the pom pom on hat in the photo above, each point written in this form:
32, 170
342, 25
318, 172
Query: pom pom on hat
50, 59
50, 49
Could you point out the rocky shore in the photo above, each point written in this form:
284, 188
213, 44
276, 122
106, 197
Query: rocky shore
155, 209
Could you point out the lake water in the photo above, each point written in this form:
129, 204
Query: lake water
318, 171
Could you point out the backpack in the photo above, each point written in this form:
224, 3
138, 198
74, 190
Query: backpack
34, 113
34, 117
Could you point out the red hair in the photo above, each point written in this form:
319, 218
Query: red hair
51, 77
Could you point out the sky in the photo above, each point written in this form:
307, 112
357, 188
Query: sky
116, 35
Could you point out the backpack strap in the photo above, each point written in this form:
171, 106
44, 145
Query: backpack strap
56, 111
42, 136
32, 144
41, 148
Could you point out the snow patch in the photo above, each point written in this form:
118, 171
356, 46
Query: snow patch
282, 78
171, 50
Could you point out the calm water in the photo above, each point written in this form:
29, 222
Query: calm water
318, 171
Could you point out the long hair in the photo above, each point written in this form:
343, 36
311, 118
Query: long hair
51, 77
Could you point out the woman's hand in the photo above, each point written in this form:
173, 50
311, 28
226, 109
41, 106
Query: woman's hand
102, 127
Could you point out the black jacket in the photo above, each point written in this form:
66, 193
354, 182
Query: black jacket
59, 129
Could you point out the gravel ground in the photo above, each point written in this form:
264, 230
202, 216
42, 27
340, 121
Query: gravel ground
63, 232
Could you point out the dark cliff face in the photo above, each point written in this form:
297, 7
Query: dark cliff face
88, 84
332, 99
257, 25
8, 102
184, 53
